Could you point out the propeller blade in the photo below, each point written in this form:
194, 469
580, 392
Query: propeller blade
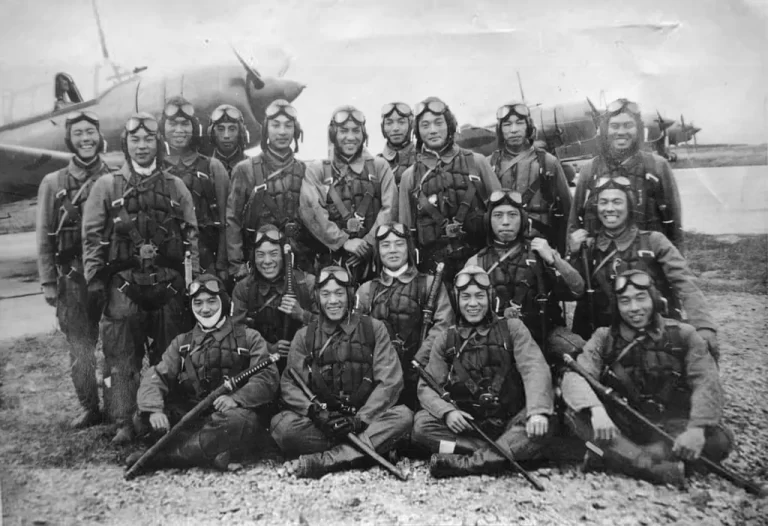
682, 122
252, 74
102, 38
595, 113
520, 84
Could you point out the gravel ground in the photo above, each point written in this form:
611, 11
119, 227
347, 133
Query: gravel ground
51, 475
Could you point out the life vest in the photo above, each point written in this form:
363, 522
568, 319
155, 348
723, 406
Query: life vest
205, 362
652, 210
484, 365
404, 159
263, 314
399, 307
67, 221
652, 375
146, 213
342, 370
452, 194
353, 198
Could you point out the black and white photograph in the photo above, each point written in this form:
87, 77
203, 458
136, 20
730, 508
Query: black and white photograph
355, 262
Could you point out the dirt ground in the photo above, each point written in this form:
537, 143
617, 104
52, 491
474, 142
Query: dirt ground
51, 475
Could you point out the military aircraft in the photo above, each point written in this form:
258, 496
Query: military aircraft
33, 147
570, 132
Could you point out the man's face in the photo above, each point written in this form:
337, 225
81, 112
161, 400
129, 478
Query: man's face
505, 223
396, 128
612, 208
268, 259
205, 304
622, 131
142, 147
178, 132
635, 307
513, 130
349, 137
226, 135
473, 303
393, 250
85, 139
333, 300
280, 132
433, 130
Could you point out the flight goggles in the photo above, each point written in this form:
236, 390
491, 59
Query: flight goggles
210, 286
395, 228
607, 182
400, 107
521, 110
465, 279
619, 105
281, 107
268, 235
148, 123
226, 112
636, 278
437, 107
78, 116
342, 116
497, 196
186, 110
338, 275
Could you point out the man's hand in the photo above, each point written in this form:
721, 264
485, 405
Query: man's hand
290, 305
542, 248
223, 403
50, 293
242, 272
710, 336
603, 427
159, 421
280, 347
357, 247
577, 238
97, 298
458, 421
689, 444
537, 426
340, 426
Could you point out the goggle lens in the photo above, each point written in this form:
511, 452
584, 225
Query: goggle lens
342, 116
269, 235
340, 276
464, 280
211, 286
226, 112
521, 110
148, 123
617, 181
639, 280
618, 105
434, 106
384, 230
498, 196
82, 116
281, 107
402, 108
187, 110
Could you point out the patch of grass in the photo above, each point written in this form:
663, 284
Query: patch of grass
729, 263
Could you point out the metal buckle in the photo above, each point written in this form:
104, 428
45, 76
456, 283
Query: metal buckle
118, 202
147, 251
354, 224
122, 287
61, 193
259, 187
291, 229
474, 178
453, 229
201, 174
71, 271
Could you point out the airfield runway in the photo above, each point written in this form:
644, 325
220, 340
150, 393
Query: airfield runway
719, 201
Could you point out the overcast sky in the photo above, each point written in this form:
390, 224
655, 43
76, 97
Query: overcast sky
705, 59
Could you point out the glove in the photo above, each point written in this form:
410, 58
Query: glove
318, 416
97, 299
340, 426
242, 272
50, 293
689, 444
710, 336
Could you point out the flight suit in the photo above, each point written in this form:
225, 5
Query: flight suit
399, 159
60, 200
229, 161
136, 230
193, 366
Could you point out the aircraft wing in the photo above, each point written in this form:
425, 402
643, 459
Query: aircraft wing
32, 156
480, 140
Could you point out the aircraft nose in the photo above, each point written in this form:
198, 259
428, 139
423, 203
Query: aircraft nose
666, 123
292, 90
695, 130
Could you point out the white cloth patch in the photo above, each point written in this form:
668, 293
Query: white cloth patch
447, 447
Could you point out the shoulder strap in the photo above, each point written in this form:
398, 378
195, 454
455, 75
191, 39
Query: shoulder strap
309, 338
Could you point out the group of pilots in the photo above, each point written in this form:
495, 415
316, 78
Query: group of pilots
362, 272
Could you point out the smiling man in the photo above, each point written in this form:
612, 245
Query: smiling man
206, 179
657, 205
261, 299
442, 196
195, 364
663, 369
620, 245
345, 198
534, 173
348, 362
265, 190
497, 375
228, 135
398, 297
137, 225
60, 201
397, 128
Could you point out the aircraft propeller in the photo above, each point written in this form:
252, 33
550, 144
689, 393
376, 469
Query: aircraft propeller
595, 113
252, 75
691, 130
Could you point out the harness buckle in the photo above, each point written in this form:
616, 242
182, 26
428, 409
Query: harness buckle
453, 229
118, 202
148, 251
122, 287
648, 253
61, 193
474, 178
201, 174
291, 229
355, 224
259, 187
